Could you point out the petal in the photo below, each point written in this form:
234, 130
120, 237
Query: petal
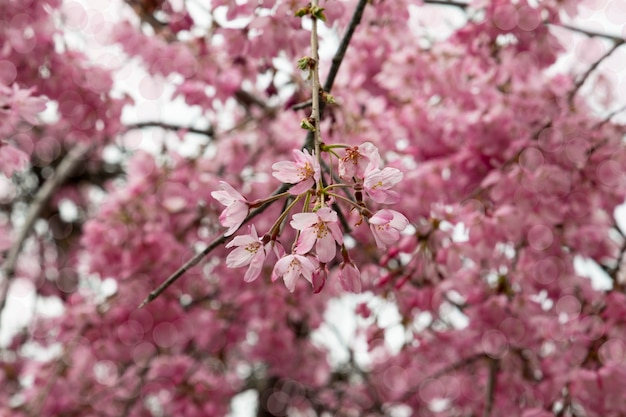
301, 187
306, 240
399, 221
239, 257
326, 214
242, 240
290, 279
335, 231
281, 266
256, 266
381, 217
301, 221
286, 171
350, 278
326, 248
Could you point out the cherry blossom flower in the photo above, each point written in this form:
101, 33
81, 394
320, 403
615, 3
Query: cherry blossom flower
291, 267
304, 172
358, 160
236, 210
386, 226
320, 229
378, 185
11, 160
250, 251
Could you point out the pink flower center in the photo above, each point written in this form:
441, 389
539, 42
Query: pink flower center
322, 230
305, 171
253, 247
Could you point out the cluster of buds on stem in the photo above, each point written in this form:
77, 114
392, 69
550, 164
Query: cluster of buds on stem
359, 181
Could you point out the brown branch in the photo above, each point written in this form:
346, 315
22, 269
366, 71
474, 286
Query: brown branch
592, 68
198, 257
494, 364
590, 33
67, 166
142, 125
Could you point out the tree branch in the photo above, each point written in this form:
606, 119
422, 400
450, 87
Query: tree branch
142, 125
309, 144
592, 68
197, 258
590, 33
494, 364
67, 166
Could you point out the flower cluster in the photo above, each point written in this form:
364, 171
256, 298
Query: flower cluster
317, 228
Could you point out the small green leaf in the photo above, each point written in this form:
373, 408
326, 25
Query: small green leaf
328, 98
307, 124
318, 13
303, 11
306, 63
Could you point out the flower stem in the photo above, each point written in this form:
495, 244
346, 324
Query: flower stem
315, 91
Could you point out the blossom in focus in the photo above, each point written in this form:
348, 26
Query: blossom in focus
250, 251
304, 172
358, 160
320, 229
291, 267
236, 210
386, 226
378, 184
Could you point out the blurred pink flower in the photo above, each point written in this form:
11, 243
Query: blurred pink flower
378, 185
11, 160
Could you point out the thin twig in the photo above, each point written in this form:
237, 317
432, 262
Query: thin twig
592, 68
198, 257
67, 166
309, 143
459, 4
590, 33
142, 125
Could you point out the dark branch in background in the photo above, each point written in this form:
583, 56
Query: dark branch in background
592, 68
590, 33
458, 4
67, 166
337, 59
492, 379
142, 125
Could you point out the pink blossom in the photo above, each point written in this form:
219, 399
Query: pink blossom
320, 275
11, 160
378, 185
291, 267
320, 229
358, 160
304, 172
250, 251
350, 277
236, 210
386, 226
